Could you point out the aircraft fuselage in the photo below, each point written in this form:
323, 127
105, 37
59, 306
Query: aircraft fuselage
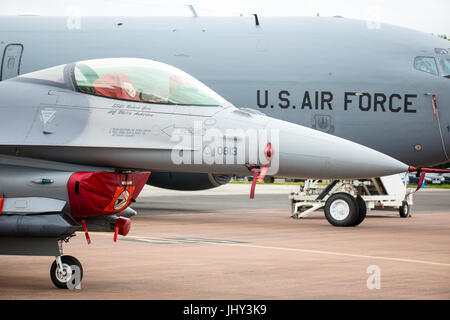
335, 75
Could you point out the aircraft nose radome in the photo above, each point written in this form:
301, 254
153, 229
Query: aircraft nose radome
308, 153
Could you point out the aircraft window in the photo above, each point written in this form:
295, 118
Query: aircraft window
426, 64
55, 74
142, 80
445, 66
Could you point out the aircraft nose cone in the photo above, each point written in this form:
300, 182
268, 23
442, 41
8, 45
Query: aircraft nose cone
308, 153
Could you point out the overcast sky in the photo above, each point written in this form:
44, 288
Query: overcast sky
432, 16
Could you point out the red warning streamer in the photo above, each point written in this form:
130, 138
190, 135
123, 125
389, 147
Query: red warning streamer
424, 171
123, 226
116, 232
86, 233
263, 172
268, 152
433, 98
255, 177
428, 170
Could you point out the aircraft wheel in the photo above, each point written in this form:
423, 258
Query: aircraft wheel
362, 209
404, 209
66, 277
341, 210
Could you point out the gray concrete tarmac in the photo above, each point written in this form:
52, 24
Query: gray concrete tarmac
218, 244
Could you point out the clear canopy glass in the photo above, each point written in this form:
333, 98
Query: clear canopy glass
426, 64
445, 66
54, 74
143, 80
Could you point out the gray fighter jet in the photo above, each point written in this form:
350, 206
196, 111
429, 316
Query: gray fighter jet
79, 141
379, 85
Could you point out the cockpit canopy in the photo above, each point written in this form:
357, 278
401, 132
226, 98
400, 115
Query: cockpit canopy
135, 80
436, 66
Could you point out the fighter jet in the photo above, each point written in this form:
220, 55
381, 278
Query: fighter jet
79, 141
382, 86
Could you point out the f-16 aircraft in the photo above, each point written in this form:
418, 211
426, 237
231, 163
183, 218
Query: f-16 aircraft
79, 141
382, 86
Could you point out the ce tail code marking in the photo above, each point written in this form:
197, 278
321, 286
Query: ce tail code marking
324, 100
227, 311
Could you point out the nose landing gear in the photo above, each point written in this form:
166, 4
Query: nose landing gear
66, 272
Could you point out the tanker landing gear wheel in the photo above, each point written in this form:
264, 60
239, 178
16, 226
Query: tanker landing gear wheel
342, 210
404, 209
66, 272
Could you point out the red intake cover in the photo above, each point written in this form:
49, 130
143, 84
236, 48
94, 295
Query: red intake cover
124, 225
103, 193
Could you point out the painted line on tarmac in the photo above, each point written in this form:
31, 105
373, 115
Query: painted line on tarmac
248, 245
342, 254
180, 240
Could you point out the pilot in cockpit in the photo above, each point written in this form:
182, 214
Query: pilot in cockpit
115, 85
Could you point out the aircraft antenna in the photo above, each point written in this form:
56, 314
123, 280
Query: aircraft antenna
256, 19
194, 13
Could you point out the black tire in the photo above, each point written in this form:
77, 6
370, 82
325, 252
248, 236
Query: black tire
362, 210
66, 260
404, 209
353, 210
